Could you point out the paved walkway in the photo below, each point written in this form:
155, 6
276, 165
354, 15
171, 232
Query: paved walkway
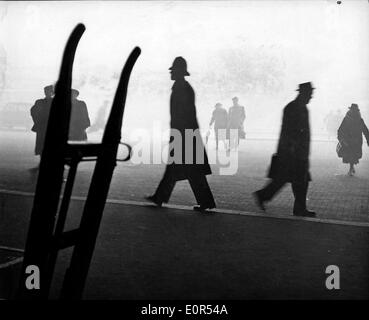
174, 253
332, 194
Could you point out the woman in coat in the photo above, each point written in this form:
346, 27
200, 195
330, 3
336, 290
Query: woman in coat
350, 136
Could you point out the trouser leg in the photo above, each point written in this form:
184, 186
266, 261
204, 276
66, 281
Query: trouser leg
351, 169
201, 190
231, 144
165, 188
271, 189
216, 138
300, 192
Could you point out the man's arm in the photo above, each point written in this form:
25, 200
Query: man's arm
365, 131
341, 132
212, 118
35, 111
86, 118
243, 115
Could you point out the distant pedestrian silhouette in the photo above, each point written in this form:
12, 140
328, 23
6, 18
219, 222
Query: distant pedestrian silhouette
329, 124
350, 137
332, 122
236, 117
40, 115
80, 120
183, 116
99, 123
291, 163
220, 120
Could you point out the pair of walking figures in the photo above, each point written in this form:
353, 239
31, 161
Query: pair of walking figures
290, 164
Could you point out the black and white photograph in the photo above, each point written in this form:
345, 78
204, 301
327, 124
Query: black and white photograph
171, 151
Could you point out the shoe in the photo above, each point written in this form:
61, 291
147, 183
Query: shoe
259, 202
202, 208
154, 200
304, 213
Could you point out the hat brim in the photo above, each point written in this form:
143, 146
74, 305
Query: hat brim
186, 73
305, 89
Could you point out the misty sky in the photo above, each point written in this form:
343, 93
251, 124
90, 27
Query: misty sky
257, 50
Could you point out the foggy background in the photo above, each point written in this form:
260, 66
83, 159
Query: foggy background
256, 50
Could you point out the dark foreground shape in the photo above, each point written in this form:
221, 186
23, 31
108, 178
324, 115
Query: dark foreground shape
45, 235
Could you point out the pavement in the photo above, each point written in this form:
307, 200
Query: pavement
236, 252
332, 193
143, 252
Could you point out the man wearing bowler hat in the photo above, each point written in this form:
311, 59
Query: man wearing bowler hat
291, 162
183, 118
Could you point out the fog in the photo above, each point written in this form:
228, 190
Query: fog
257, 50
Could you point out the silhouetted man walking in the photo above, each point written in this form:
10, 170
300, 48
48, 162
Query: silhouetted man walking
100, 120
183, 117
40, 116
236, 117
291, 163
220, 120
79, 120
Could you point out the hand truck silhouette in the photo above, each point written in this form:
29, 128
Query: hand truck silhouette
45, 235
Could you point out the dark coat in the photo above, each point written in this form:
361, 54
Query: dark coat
183, 116
236, 117
219, 118
40, 115
350, 134
79, 121
294, 145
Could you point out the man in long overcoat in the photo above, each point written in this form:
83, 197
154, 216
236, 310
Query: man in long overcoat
236, 118
185, 166
79, 120
291, 163
40, 115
